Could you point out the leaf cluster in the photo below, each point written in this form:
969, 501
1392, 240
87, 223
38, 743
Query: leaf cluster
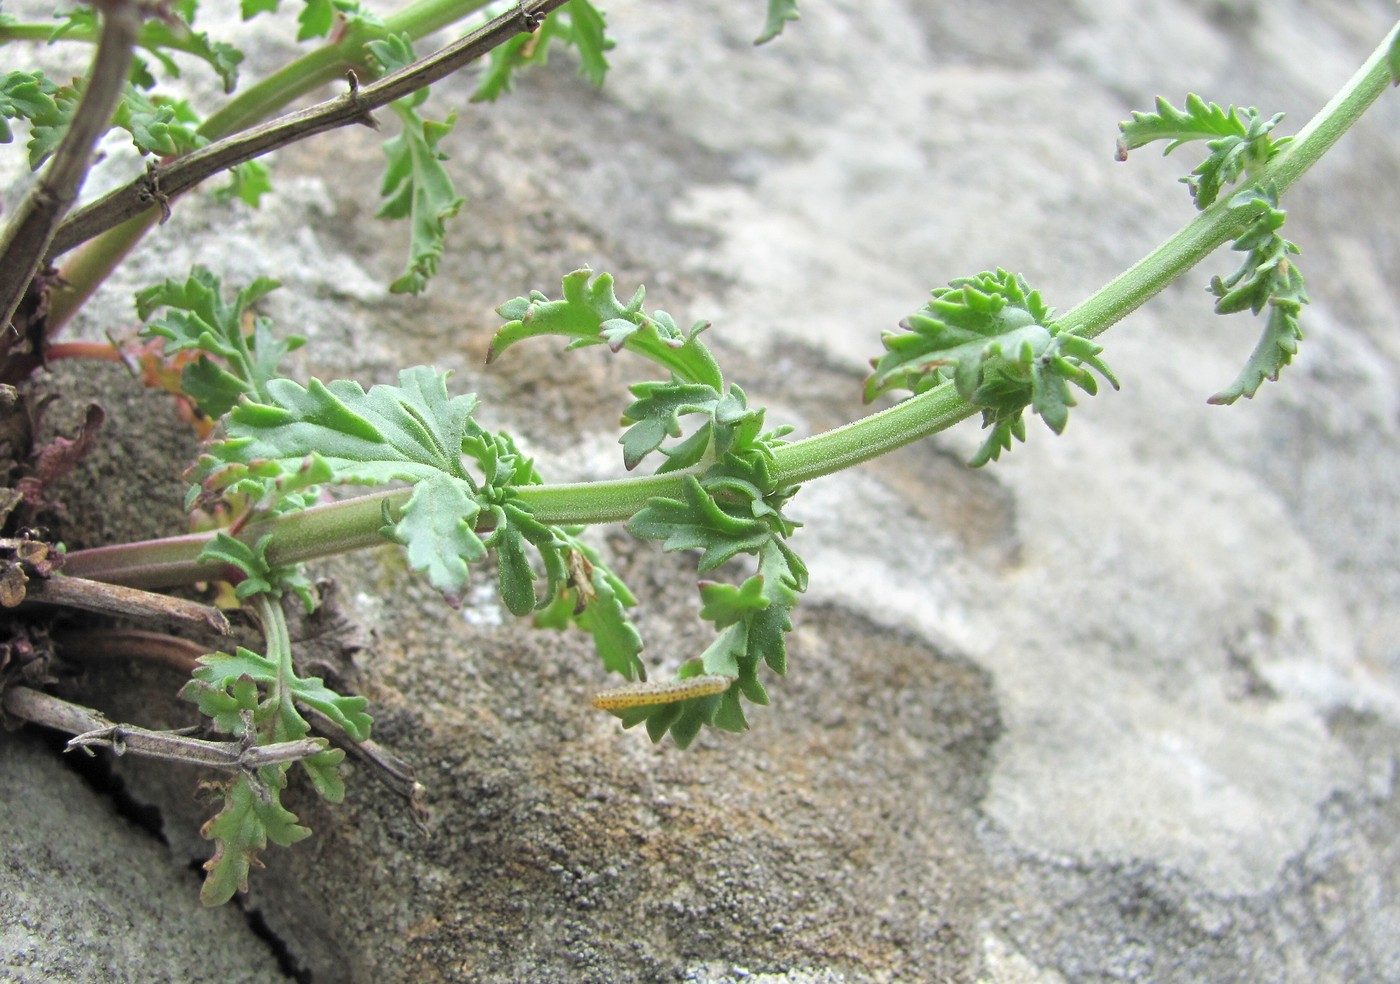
995, 339
158, 125
731, 503
1240, 142
339, 434
237, 353
255, 697
1265, 278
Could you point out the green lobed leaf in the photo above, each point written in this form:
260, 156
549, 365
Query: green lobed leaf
50, 123
241, 830
25, 96
258, 576
699, 523
734, 510
590, 313
1238, 139
436, 526
240, 354
219, 673
157, 35
753, 620
407, 432
595, 600
158, 125
416, 185
1265, 278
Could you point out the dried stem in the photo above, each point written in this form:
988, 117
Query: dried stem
160, 184
112, 599
93, 730
99, 645
27, 237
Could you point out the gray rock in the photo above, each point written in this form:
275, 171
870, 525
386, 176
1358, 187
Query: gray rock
90, 897
1121, 706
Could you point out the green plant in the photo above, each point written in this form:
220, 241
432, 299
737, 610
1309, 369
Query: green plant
984, 344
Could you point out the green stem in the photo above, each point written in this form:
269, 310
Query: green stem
355, 523
278, 647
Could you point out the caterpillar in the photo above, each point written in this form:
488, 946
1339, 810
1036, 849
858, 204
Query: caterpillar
661, 692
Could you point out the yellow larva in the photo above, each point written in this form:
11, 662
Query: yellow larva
661, 692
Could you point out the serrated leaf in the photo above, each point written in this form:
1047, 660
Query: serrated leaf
699, 523
241, 830
25, 96
406, 432
725, 604
589, 303
48, 126
436, 527
416, 185
315, 19
587, 34
1265, 278
596, 600
1275, 349
657, 412
1238, 139
198, 319
779, 13
994, 339
158, 126
258, 576
248, 182
157, 34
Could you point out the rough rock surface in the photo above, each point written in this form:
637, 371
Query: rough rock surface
1125, 705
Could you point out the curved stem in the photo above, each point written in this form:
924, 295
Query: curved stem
356, 523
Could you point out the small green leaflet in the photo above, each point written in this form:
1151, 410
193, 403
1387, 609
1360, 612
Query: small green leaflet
595, 599
1240, 144
779, 13
590, 313
258, 576
994, 338
160, 38
1266, 277
241, 830
317, 17
751, 620
1238, 140
415, 183
25, 96
227, 690
578, 23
